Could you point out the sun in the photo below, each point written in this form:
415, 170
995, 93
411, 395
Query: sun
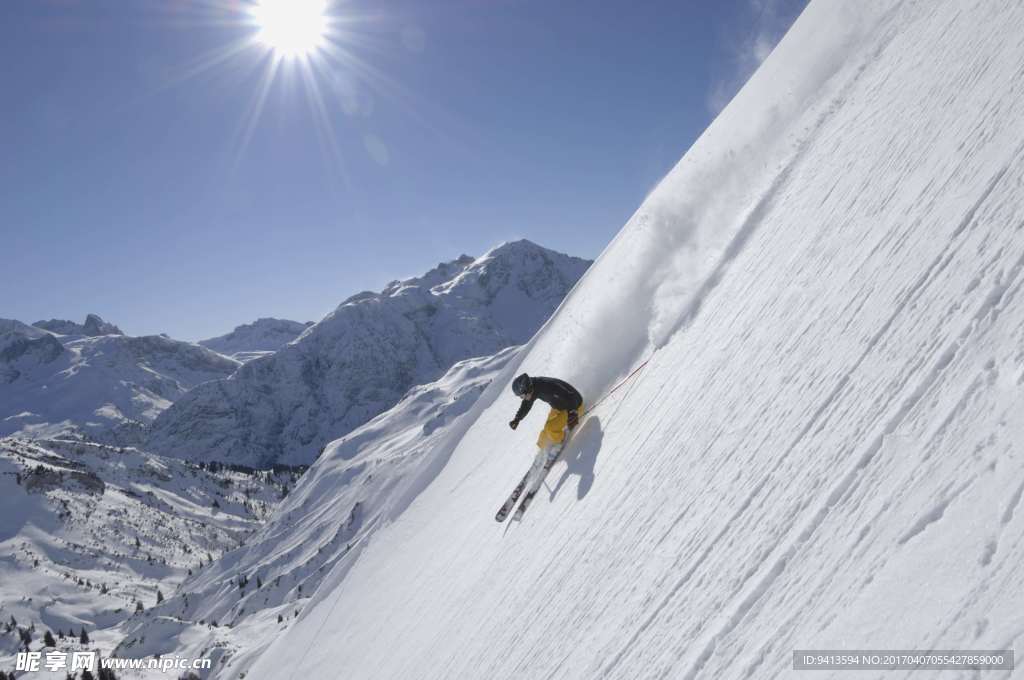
291, 28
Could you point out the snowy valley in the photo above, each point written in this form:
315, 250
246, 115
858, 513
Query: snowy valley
94, 535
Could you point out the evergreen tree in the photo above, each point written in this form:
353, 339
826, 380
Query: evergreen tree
280, 619
48, 640
138, 606
86, 675
159, 596
84, 637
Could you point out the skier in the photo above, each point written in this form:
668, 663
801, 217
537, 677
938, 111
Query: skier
566, 406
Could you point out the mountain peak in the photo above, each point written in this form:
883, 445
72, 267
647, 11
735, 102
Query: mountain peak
94, 326
444, 271
361, 358
518, 246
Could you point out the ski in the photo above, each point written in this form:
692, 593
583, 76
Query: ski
513, 497
538, 467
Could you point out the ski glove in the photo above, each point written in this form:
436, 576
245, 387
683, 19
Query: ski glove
513, 424
574, 419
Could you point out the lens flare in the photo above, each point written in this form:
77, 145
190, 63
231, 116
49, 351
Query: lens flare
292, 28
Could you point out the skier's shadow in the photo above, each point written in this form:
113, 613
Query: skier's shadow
582, 456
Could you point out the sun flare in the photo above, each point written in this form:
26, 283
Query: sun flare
291, 28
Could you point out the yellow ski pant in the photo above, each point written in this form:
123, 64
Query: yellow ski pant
556, 427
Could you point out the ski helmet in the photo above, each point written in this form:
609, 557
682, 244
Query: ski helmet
522, 385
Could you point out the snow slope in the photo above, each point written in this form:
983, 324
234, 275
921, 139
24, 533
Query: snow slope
107, 386
824, 450
359, 360
257, 339
361, 482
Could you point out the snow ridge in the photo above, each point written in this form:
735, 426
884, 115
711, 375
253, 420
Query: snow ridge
257, 339
88, 532
93, 326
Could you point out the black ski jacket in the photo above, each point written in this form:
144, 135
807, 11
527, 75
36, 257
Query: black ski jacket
558, 393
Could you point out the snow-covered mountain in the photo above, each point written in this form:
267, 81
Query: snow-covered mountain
12, 331
360, 483
107, 386
18, 342
257, 339
92, 327
360, 359
822, 445
88, 532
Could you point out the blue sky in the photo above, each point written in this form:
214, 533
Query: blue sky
139, 182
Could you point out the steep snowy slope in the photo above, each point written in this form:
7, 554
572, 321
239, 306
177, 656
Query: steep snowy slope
361, 482
257, 339
359, 360
106, 386
825, 447
87, 531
